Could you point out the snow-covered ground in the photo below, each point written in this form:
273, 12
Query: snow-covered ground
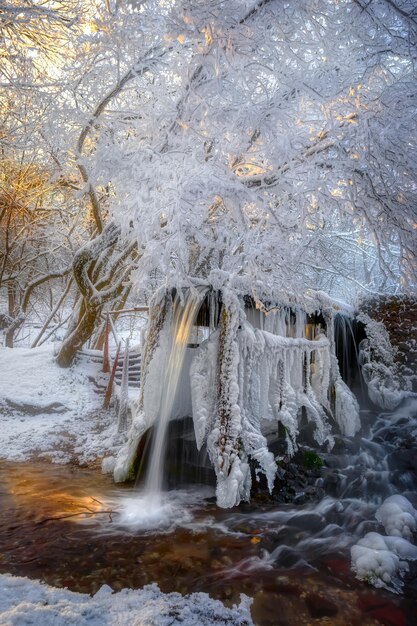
24, 602
54, 413
50, 412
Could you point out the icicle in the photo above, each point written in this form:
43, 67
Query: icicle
254, 443
284, 406
263, 388
280, 323
269, 323
213, 310
203, 382
300, 323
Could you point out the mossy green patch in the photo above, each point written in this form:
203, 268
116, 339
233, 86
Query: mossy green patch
312, 460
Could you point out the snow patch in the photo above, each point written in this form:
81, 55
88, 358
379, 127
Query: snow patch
49, 411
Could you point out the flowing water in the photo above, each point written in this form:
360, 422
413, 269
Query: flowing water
183, 317
64, 525
151, 507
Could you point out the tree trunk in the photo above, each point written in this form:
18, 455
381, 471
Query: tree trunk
11, 302
73, 342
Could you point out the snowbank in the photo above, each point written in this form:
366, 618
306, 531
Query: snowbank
24, 602
48, 411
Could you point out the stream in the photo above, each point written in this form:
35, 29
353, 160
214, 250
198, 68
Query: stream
72, 527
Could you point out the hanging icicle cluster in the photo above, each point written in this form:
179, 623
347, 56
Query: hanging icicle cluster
263, 377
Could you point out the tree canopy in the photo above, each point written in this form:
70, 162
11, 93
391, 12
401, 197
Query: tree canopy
264, 143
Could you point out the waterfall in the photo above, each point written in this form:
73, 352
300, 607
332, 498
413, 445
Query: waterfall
184, 313
347, 337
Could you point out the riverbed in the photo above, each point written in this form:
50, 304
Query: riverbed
67, 526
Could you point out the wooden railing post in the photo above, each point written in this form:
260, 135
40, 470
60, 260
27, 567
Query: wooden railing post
109, 389
106, 359
124, 393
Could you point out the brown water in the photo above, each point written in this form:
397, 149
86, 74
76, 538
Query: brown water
59, 524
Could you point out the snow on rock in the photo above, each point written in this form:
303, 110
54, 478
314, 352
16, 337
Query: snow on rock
49, 411
24, 602
398, 517
382, 561
122, 465
377, 357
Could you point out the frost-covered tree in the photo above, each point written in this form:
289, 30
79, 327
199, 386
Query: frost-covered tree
260, 160
263, 143
53, 92
268, 138
39, 226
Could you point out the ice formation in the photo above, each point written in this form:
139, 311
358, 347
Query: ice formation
254, 371
377, 358
398, 516
380, 560
263, 376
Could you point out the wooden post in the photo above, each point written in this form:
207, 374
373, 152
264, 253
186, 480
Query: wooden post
109, 389
106, 360
124, 393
